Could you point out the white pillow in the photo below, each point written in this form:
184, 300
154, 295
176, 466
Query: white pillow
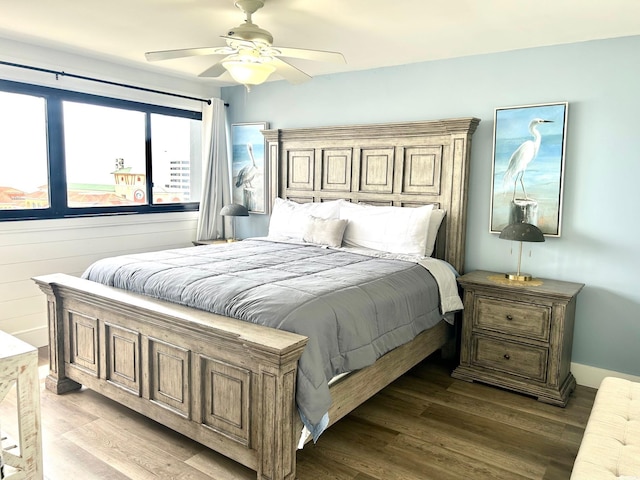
289, 219
388, 229
325, 231
437, 215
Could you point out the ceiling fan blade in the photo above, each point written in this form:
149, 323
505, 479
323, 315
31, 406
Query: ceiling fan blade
187, 52
317, 55
289, 72
214, 71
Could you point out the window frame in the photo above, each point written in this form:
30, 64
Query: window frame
58, 208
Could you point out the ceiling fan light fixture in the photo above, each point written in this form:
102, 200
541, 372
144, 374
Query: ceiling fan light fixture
250, 56
248, 72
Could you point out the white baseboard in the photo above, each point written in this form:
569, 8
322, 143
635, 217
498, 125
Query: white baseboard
592, 376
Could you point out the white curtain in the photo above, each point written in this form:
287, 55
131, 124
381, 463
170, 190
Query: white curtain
216, 181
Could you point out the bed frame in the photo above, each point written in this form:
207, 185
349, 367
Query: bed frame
229, 384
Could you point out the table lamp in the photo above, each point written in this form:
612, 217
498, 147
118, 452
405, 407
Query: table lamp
234, 210
521, 232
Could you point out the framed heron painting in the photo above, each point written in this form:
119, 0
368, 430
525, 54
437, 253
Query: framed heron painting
248, 166
528, 166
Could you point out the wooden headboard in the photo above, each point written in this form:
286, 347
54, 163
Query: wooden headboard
401, 164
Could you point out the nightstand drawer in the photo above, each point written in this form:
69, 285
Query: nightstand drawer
517, 318
514, 358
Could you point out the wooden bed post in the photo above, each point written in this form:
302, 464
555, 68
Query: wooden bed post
277, 437
57, 380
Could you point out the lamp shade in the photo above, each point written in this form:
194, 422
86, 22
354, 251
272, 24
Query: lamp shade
248, 72
234, 210
522, 232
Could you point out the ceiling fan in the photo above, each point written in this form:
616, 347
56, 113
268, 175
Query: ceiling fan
249, 55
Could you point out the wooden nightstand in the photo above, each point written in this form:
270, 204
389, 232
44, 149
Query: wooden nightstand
518, 335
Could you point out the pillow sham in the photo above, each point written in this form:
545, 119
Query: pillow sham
435, 220
289, 219
325, 231
400, 230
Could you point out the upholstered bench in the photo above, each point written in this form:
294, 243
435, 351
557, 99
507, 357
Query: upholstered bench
610, 448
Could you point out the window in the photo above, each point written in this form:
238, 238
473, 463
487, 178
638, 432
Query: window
105, 155
24, 181
65, 153
176, 154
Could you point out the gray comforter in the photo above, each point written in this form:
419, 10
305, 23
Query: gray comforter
354, 308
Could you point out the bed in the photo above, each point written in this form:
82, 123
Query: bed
229, 384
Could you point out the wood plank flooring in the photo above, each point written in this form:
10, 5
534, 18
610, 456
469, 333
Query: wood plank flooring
426, 425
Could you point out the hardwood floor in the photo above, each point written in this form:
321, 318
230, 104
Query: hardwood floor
426, 425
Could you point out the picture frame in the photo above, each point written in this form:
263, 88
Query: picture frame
529, 144
249, 171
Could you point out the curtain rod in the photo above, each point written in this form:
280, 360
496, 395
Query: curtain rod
91, 79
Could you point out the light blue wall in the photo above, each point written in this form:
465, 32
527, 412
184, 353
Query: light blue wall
599, 245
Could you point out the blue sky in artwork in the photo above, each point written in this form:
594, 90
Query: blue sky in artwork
514, 122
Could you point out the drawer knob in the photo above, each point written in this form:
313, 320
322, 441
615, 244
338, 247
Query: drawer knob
506, 356
509, 317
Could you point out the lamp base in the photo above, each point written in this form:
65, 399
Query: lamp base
519, 277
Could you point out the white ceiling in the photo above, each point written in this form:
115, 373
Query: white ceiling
370, 33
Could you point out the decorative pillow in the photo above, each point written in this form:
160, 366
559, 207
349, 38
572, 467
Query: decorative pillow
289, 219
389, 229
325, 231
437, 215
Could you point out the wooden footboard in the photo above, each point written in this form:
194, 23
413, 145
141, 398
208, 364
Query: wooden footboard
225, 383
